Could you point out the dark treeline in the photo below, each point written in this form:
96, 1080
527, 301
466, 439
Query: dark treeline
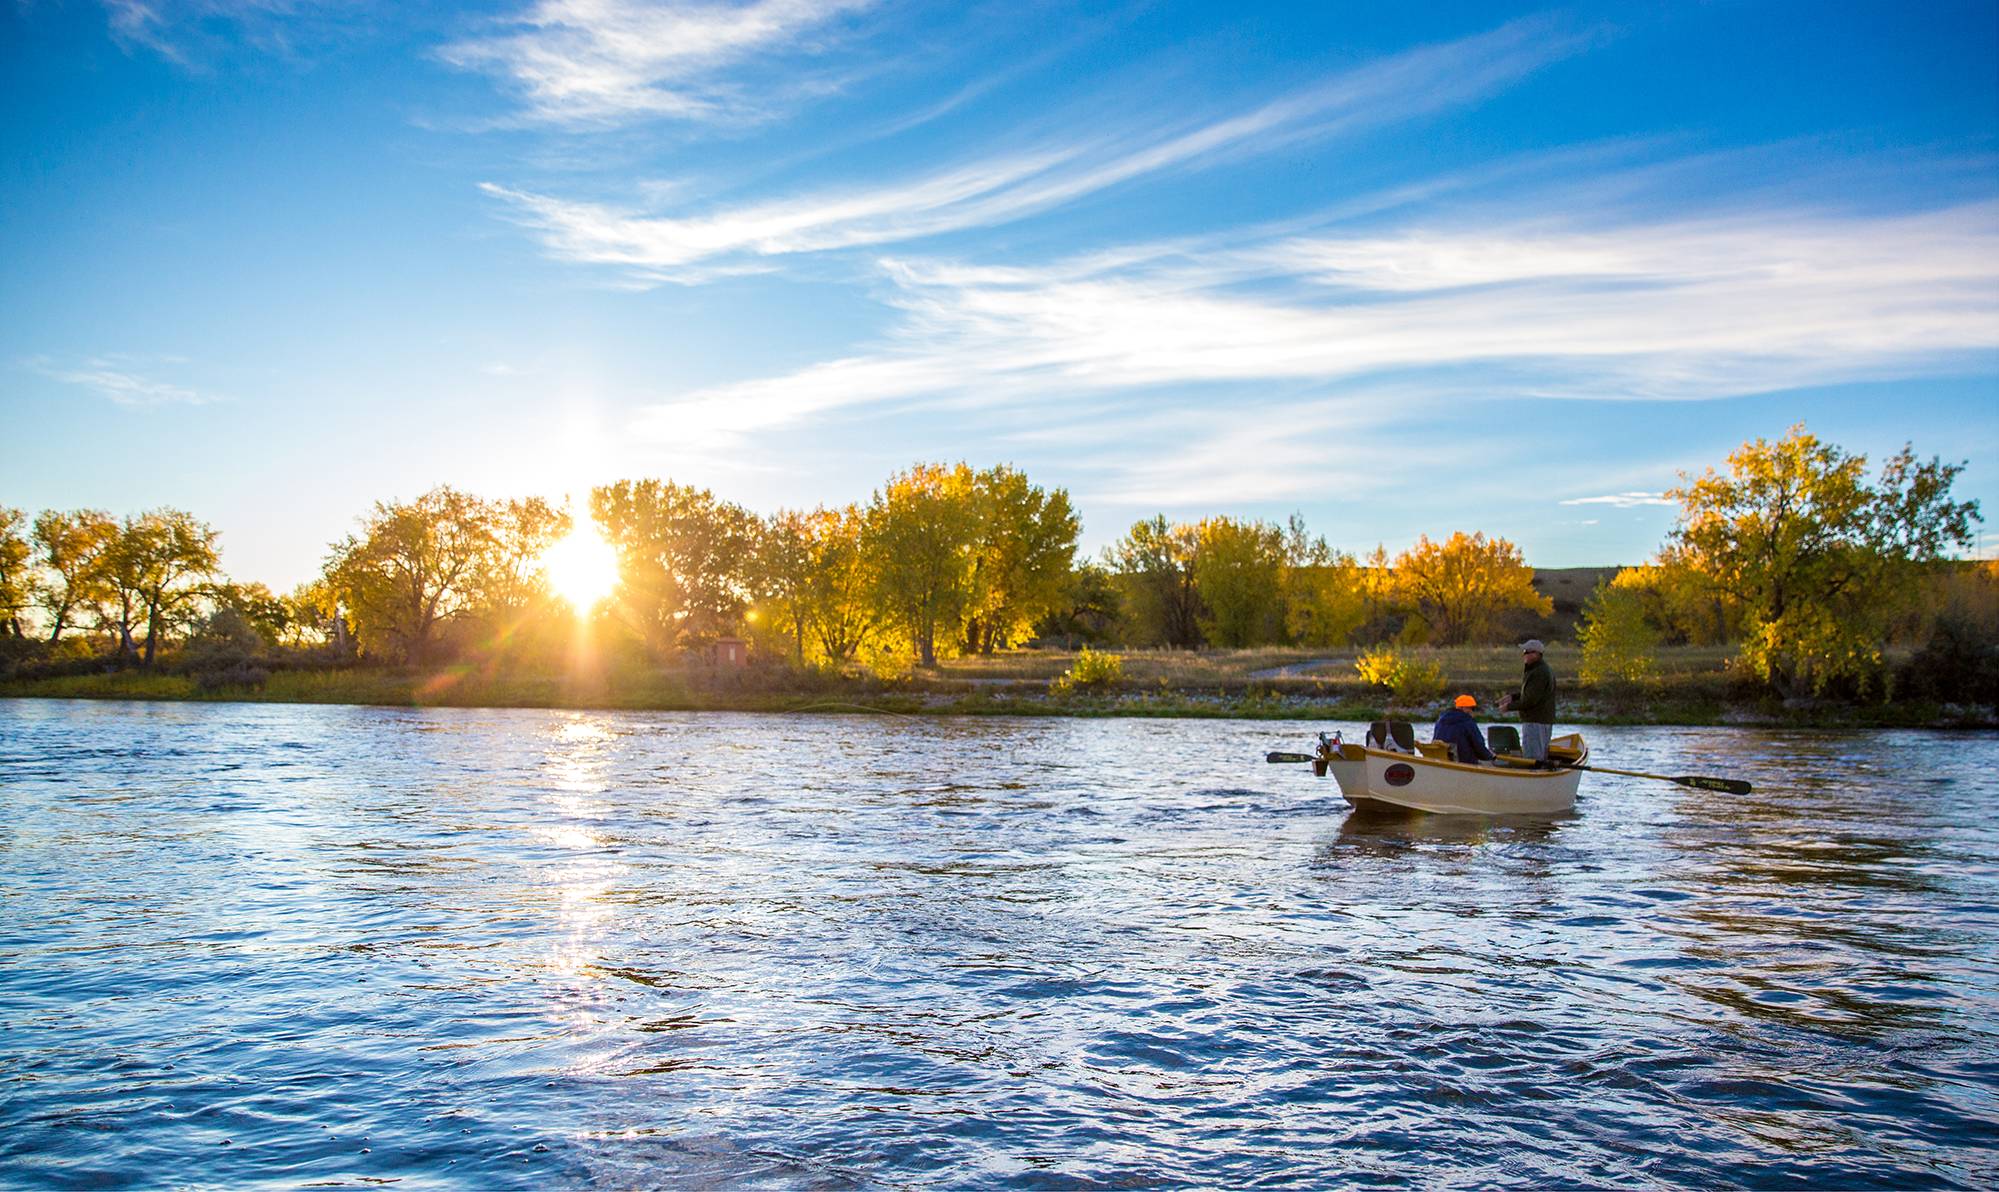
1791, 553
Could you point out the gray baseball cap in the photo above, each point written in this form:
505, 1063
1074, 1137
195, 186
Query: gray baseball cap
1532, 646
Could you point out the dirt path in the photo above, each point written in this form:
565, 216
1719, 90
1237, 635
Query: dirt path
1295, 669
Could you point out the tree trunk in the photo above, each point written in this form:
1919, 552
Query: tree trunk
152, 634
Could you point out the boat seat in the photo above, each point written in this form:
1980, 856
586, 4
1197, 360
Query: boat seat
1396, 735
1437, 749
1502, 738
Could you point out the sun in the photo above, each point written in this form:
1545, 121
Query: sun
582, 568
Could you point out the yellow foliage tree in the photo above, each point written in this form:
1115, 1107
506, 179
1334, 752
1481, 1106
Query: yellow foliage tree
1153, 566
1817, 560
1239, 576
415, 568
73, 549
1325, 591
1459, 588
684, 560
921, 531
1021, 558
16, 580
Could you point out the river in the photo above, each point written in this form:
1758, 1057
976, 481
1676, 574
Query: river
517, 948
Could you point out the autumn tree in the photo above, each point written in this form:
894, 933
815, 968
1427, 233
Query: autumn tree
684, 559
255, 606
1381, 612
1459, 588
1239, 576
783, 573
1677, 600
516, 579
921, 530
71, 548
1090, 609
313, 617
1325, 591
415, 568
1154, 567
839, 591
16, 575
1616, 636
1025, 546
158, 567
1818, 559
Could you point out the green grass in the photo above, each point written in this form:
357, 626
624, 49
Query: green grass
1692, 688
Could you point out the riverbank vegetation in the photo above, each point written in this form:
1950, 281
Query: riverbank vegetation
1795, 585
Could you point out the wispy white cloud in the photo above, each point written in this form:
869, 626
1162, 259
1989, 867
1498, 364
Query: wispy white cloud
602, 62
1680, 310
1621, 501
193, 33
1021, 182
114, 377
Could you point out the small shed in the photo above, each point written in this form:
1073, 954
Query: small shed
729, 652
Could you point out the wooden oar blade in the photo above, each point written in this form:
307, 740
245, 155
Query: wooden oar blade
1733, 786
1275, 758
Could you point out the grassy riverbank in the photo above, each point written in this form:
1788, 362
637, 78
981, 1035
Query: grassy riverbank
1693, 687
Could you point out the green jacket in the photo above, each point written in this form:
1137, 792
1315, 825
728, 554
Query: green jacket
1535, 701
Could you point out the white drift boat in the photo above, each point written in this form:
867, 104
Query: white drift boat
1427, 780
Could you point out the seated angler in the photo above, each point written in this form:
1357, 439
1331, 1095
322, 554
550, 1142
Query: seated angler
1457, 729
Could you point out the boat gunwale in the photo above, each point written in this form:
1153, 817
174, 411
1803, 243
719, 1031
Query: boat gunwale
1507, 771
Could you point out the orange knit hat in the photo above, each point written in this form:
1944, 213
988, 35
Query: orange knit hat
1465, 701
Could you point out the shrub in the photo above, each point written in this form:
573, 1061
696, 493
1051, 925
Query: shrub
1092, 668
1412, 681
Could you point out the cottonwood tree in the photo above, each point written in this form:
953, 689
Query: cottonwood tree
1818, 560
254, 605
156, 571
918, 540
415, 568
313, 618
1325, 591
839, 591
685, 559
1090, 609
783, 568
1461, 587
1239, 575
71, 547
1154, 566
1021, 558
516, 580
16, 574
1677, 601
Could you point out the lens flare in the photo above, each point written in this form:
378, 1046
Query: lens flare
582, 568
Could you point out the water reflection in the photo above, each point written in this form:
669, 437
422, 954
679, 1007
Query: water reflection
1391, 832
510, 949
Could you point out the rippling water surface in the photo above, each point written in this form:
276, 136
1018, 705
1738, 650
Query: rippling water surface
313, 945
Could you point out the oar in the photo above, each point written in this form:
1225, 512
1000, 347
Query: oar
1733, 786
1275, 758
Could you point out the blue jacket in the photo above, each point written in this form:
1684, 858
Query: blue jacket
1457, 729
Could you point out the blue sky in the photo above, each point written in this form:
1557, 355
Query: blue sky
1402, 268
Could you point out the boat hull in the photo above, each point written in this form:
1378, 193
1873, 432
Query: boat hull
1374, 778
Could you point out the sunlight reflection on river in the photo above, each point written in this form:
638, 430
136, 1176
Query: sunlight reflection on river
516, 948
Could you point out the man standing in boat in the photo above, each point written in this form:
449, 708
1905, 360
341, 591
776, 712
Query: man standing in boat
1535, 701
1457, 729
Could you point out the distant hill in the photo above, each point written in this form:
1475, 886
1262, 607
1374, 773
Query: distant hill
1569, 588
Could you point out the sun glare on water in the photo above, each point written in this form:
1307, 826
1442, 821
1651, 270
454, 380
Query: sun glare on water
582, 568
